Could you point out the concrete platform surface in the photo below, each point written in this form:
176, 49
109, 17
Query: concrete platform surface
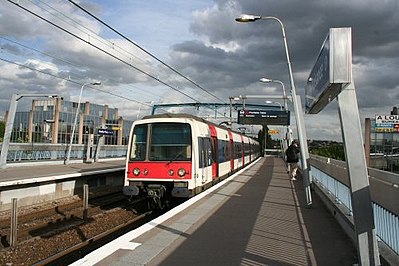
255, 217
18, 175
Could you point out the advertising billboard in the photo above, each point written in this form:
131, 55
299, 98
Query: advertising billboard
387, 123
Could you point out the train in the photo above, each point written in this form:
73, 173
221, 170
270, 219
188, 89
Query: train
176, 156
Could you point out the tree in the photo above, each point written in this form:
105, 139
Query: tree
2, 129
333, 151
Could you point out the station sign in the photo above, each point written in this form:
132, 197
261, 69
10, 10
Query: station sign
105, 131
387, 123
332, 70
273, 131
264, 117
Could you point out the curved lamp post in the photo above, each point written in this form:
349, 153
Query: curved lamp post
296, 102
288, 136
68, 156
281, 107
266, 80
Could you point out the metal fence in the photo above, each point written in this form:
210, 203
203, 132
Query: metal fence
35, 152
332, 178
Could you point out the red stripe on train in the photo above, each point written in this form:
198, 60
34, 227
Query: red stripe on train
159, 170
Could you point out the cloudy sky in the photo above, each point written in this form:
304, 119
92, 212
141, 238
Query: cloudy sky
53, 47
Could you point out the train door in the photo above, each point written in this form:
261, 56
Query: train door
231, 152
205, 159
215, 155
242, 151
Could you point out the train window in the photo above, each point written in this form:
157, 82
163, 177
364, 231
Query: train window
201, 156
207, 149
139, 143
224, 151
170, 142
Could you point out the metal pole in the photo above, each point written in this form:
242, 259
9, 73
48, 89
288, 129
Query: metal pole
284, 93
231, 110
100, 142
298, 116
358, 176
85, 201
8, 130
68, 156
89, 147
14, 222
304, 149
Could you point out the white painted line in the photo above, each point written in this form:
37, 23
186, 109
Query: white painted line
125, 240
57, 177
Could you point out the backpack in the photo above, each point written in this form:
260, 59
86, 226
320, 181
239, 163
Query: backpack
291, 154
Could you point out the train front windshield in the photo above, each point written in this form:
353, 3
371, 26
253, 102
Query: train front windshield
167, 142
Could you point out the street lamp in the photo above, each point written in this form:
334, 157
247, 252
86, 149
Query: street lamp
68, 156
10, 123
269, 102
266, 80
296, 102
288, 136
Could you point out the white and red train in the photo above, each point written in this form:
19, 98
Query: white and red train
179, 155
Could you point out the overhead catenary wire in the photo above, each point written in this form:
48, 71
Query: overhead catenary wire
72, 81
145, 51
62, 17
61, 60
104, 51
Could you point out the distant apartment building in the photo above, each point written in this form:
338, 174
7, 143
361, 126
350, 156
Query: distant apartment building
382, 141
51, 120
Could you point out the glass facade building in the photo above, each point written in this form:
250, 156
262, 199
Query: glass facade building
383, 144
51, 121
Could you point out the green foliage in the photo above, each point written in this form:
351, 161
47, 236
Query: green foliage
2, 129
333, 151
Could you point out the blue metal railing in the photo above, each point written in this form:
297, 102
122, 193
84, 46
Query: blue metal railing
386, 221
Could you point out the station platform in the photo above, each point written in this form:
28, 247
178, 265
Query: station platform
255, 217
28, 173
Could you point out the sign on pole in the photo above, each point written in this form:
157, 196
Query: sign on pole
330, 78
273, 132
332, 70
105, 131
264, 117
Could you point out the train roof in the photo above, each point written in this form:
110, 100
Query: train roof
179, 115
184, 115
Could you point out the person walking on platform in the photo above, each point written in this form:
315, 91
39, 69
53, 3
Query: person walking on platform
292, 158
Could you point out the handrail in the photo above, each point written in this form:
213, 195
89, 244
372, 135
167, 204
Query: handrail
331, 178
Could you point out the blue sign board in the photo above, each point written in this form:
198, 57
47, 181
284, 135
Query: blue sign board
332, 70
264, 117
105, 131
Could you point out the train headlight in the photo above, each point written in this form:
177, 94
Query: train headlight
171, 172
181, 172
136, 171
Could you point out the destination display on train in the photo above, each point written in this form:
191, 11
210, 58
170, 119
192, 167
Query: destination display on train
264, 117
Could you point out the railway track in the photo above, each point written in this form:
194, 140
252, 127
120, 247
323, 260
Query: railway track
60, 234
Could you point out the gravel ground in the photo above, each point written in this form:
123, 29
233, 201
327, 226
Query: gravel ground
40, 248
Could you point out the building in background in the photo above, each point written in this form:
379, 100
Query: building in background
51, 121
382, 141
